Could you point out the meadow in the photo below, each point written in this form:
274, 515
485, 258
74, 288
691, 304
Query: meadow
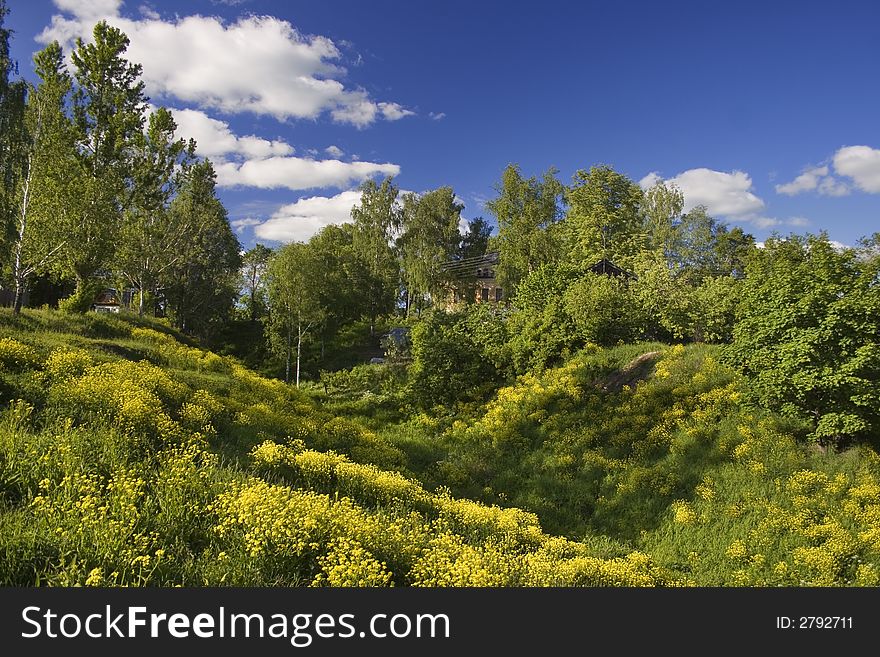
130, 456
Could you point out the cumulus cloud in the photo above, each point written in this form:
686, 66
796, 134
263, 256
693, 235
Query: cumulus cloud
725, 194
239, 225
258, 64
334, 151
437, 116
862, 164
298, 173
215, 139
297, 222
815, 178
807, 181
394, 112
268, 164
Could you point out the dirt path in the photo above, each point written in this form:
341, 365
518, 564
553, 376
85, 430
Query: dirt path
634, 371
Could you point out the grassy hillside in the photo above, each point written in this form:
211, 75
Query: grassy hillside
130, 456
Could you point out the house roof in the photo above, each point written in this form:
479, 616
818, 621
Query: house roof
605, 266
468, 266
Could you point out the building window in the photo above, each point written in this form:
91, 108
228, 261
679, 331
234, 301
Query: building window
485, 294
498, 294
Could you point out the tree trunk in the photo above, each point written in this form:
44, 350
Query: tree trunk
287, 362
140, 301
20, 288
299, 335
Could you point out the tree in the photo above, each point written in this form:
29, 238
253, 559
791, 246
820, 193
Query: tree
448, 364
603, 309
662, 205
527, 212
472, 246
254, 264
108, 105
12, 135
201, 285
376, 218
604, 218
542, 332
294, 283
806, 335
150, 240
702, 246
428, 241
344, 276
47, 194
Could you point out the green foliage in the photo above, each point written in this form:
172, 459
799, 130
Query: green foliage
604, 218
604, 309
199, 282
527, 212
295, 289
429, 238
806, 335
376, 218
118, 483
541, 331
448, 363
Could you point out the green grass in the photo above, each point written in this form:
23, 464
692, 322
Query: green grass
129, 456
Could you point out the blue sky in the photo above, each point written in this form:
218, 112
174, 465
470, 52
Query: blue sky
765, 112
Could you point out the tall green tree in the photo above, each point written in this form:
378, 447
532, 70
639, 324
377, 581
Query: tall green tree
429, 239
527, 212
201, 285
472, 245
149, 239
662, 205
703, 246
344, 275
542, 331
12, 100
254, 264
294, 279
376, 219
604, 218
108, 116
48, 194
806, 335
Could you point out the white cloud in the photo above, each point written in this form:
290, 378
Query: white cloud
256, 162
798, 222
760, 221
831, 186
214, 139
650, 180
258, 64
89, 10
240, 224
299, 221
815, 178
394, 112
805, 182
725, 194
148, 12
437, 116
334, 151
862, 164
298, 173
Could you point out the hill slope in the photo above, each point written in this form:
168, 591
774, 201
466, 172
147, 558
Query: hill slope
130, 457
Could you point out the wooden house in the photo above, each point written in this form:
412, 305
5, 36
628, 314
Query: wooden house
472, 280
605, 266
